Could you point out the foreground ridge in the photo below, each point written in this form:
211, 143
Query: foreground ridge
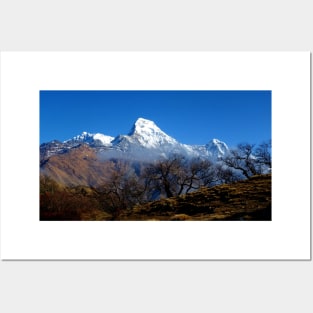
244, 200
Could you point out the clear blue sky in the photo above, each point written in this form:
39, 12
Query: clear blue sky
191, 117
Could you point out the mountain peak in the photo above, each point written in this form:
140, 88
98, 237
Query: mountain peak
87, 137
217, 148
148, 134
143, 121
143, 125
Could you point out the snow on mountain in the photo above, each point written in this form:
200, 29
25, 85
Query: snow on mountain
86, 137
149, 135
105, 140
145, 134
217, 148
145, 141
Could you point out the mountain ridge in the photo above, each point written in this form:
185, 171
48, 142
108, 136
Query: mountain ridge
86, 159
144, 140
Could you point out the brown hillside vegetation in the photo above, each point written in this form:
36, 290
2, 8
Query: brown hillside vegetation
245, 200
60, 203
79, 166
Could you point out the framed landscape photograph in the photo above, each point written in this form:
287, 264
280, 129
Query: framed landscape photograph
155, 155
146, 174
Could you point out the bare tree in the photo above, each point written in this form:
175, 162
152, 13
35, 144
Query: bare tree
178, 175
242, 159
248, 160
123, 189
263, 153
226, 175
164, 174
197, 173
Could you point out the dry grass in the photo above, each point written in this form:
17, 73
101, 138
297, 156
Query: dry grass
245, 200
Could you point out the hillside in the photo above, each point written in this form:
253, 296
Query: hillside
78, 166
245, 200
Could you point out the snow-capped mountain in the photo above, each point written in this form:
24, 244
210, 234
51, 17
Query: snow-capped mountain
147, 134
217, 148
57, 147
145, 141
92, 139
86, 158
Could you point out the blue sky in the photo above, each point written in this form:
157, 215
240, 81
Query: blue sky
191, 117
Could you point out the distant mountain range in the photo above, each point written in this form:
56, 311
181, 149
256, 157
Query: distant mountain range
80, 160
145, 141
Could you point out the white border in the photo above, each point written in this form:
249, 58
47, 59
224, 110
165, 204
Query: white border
23, 74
